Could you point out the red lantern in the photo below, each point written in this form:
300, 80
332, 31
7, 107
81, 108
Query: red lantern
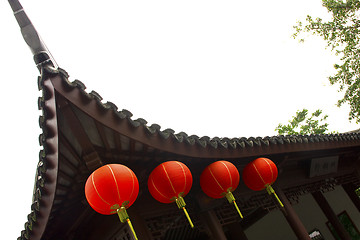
111, 189
170, 182
219, 180
260, 174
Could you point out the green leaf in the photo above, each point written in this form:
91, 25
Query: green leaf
341, 33
302, 124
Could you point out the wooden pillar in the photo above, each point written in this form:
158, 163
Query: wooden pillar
214, 225
292, 218
350, 190
331, 216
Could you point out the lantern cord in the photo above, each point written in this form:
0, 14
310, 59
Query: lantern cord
230, 197
270, 190
188, 217
181, 205
124, 217
132, 229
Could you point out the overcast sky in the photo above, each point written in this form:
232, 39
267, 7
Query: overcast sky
215, 68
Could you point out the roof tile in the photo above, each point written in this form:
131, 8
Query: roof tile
96, 96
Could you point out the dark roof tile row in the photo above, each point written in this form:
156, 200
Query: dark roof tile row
205, 141
42, 166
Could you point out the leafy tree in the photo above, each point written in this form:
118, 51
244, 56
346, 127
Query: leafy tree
303, 124
342, 35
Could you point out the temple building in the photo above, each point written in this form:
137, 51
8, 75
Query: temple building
317, 174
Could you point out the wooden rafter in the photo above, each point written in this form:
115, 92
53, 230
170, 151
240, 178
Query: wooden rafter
101, 131
69, 147
89, 154
68, 163
117, 141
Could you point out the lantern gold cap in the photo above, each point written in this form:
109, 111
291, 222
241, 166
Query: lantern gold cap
230, 197
180, 202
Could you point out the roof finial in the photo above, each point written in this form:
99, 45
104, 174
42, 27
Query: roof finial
42, 55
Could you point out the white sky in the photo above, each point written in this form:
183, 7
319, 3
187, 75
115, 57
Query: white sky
215, 68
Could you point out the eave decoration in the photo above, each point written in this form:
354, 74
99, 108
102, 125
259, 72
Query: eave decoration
261, 174
170, 182
219, 180
112, 189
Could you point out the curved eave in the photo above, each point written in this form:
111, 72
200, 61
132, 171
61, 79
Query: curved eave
46, 174
152, 136
192, 146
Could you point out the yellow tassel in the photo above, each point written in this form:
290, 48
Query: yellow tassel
125, 217
181, 205
270, 190
132, 229
230, 197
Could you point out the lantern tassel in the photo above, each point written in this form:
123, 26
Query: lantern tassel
132, 228
230, 197
181, 205
270, 190
124, 217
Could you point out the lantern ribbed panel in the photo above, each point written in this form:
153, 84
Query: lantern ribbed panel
110, 185
218, 178
260, 173
168, 180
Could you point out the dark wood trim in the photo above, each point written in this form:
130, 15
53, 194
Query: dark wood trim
117, 141
68, 163
331, 216
132, 149
89, 154
67, 177
75, 126
292, 218
101, 131
350, 190
70, 148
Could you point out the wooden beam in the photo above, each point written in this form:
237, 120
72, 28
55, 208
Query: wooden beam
70, 148
331, 216
350, 190
75, 125
68, 163
89, 154
66, 176
101, 131
117, 141
292, 218
132, 149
